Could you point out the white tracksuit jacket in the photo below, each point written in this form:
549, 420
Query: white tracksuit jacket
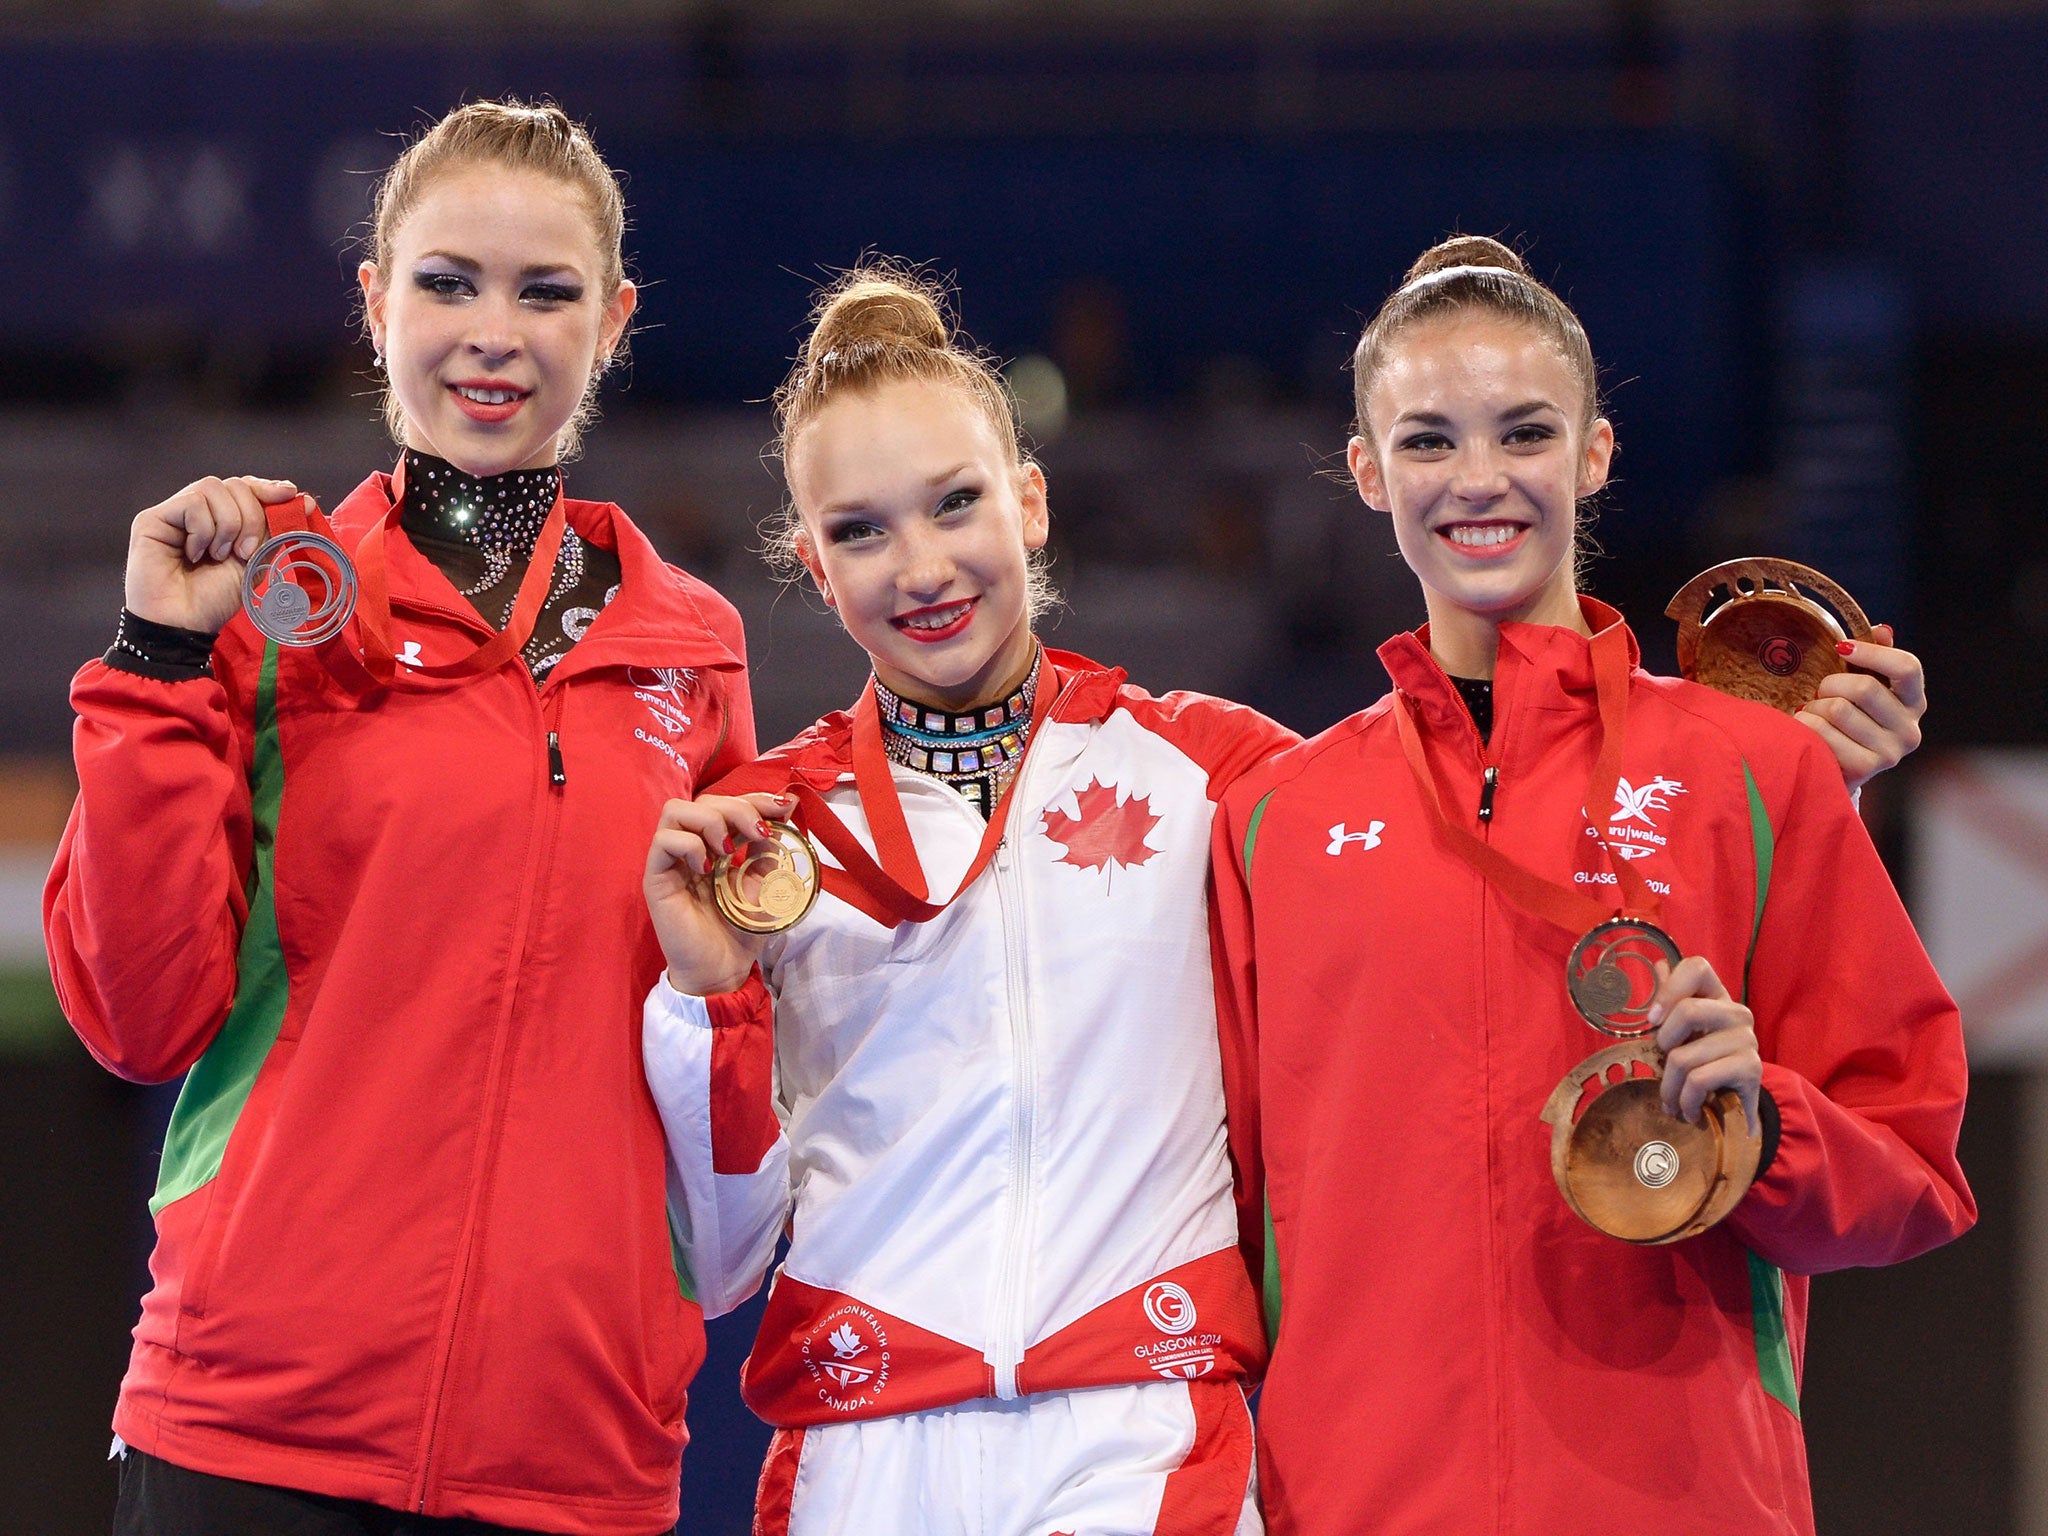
997, 1136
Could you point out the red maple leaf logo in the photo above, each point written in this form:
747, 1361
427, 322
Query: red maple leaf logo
1108, 831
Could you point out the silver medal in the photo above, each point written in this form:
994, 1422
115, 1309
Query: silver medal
299, 589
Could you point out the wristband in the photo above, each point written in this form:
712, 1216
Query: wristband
162, 651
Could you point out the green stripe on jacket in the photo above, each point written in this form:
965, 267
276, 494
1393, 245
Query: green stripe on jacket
218, 1085
1766, 1280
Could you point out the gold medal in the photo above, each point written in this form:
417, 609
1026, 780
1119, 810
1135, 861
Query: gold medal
782, 875
1635, 1172
1612, 975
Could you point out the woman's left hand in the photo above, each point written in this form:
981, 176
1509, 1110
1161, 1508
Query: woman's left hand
1870, 717
1708, 1040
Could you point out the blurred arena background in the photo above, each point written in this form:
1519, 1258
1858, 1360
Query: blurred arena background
1808, 237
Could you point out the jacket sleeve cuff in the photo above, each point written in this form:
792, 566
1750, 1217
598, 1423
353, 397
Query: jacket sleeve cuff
161, 651
744, 1125
1772, 1127
1779, 1100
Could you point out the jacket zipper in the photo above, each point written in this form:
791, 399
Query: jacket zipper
1007, 1334
1489, 787
500, 1069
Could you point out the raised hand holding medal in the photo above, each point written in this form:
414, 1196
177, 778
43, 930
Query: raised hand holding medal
725, 872
1622, 1159
1783, 634
187, 554
723, 875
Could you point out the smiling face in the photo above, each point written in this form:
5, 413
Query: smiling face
917, 526
490, 318
1480, 452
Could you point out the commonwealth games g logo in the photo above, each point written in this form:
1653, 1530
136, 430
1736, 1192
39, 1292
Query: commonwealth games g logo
1170, 1308
1181, 1354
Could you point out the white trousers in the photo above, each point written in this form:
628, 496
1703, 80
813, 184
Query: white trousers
1154, 1459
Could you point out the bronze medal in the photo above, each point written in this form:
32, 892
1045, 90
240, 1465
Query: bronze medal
768, 886
1764, 629
299, 588
1635, 1172
1612, 975
1621, 1163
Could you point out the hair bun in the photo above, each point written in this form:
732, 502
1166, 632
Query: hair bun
1465, 251
883, 306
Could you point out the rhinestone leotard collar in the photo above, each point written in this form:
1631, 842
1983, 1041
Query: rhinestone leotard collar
500, 516
975, 752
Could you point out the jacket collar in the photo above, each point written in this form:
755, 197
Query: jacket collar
1535, 663
657, 620
823, 755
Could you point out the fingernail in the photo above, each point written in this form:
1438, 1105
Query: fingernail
1846, 647
728, 845
1656, 1013
761, 831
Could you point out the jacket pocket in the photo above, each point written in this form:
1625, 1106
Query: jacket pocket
223, 1193
674, 1347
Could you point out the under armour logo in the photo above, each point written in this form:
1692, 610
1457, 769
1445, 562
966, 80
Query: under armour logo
1369, 838
409, 654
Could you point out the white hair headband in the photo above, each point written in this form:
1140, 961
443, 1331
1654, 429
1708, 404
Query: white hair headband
1442, 274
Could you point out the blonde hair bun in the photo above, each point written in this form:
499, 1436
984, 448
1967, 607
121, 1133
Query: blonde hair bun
885, 322
881, 307
1466, 251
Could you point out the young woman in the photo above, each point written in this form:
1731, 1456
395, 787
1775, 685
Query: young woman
1013, 1300
1455, 1349
378, 900
992, 1078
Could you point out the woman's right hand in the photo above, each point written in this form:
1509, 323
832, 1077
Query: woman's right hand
706, 954
186, 554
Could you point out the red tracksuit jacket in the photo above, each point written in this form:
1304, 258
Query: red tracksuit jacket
411, 1241
1455, 1350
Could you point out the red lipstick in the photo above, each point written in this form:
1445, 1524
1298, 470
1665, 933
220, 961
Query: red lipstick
925, 635
488, 411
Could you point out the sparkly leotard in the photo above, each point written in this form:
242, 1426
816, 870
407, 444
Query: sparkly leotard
480, 532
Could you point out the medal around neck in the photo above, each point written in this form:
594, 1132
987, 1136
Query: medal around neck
299, 588
1764, 629
1612, 975
1633, 1171
768, 886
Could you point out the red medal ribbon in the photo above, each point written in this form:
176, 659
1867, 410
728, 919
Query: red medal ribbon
296, 516
890, 885
1547, 899
373, 611
373, 607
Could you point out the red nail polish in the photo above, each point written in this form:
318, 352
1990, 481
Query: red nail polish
761, 832
728, 845
1846, 647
